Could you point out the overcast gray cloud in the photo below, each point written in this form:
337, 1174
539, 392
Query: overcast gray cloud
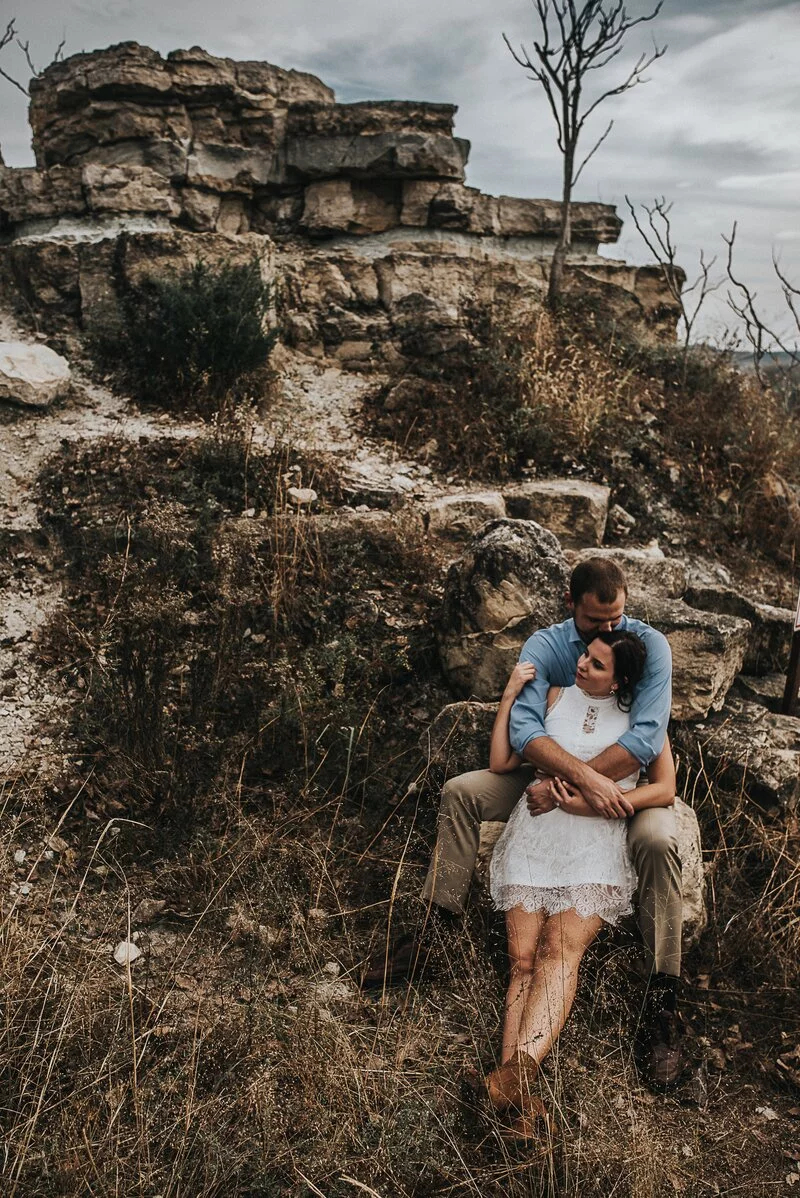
715, 130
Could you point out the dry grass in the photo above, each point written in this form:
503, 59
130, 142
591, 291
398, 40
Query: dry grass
236, 1056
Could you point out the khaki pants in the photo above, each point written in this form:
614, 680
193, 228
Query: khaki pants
470, 799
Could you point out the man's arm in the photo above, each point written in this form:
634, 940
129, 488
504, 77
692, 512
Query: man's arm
600, 791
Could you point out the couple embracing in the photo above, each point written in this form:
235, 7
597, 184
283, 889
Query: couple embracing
583, 716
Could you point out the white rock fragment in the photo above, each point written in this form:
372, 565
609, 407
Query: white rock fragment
32, 375
19, 856
126, 952
302, 496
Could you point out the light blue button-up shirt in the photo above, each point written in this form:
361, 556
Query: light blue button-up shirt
555, 652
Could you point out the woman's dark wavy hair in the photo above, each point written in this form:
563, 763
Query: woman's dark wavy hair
630, 655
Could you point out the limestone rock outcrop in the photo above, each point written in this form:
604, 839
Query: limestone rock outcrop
748, 749
770, 627
510, 582
32, 375
383, 250
707, 652
576, 511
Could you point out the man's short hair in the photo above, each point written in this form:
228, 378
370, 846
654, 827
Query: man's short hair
598, 576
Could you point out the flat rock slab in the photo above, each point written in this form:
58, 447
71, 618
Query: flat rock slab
747, 749
575, 511
707, 651
459, 517
647, 570
32, 375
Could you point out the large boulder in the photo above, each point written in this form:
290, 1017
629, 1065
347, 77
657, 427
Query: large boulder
32, 375
770, 627
576, 511
510, 582
707, 652
648, 571
747, 749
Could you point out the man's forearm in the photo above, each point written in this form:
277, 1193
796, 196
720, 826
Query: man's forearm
615, 762
548, 756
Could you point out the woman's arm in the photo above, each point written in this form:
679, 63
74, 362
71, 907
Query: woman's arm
658, 791
502, 758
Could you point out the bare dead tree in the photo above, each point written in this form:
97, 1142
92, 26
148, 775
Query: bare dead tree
763, 339
656, 233
573, 41
11, 38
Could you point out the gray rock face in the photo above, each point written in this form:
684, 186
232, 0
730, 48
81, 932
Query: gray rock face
574, 510
746, 748
32, 375
510, 582
707, 652
771, 627
648, 571
458, 517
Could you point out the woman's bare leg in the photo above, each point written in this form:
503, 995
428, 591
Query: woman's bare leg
563, 940
524, 929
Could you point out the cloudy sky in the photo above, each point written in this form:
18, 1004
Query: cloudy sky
716, 130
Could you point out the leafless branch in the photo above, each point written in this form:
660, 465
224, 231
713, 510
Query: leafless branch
764, 341
656, 233
11, 37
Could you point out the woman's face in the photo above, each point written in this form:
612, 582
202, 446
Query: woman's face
595, 673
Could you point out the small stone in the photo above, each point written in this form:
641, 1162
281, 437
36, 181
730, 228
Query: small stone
302, 496
126, 952
19, 856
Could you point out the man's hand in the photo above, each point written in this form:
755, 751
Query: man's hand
540, 797
605, 797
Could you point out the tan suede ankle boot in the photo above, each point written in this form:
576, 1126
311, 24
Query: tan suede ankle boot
510, 1083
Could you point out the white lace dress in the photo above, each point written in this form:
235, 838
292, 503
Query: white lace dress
556, 861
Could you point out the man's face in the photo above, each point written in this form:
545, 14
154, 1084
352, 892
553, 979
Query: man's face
591, 616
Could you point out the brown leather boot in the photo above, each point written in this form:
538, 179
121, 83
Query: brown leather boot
662, 1056
509, 1085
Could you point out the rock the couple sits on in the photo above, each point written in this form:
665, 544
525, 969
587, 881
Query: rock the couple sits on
583, 713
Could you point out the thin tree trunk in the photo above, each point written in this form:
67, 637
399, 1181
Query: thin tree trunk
556, 285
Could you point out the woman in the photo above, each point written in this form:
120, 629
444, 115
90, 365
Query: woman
560, 875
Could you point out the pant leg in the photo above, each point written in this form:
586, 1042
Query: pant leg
467, 801
653, 845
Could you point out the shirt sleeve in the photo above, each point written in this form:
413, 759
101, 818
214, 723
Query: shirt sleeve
526, 721
652, 703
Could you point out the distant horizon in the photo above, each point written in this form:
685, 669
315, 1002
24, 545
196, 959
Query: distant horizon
709, 131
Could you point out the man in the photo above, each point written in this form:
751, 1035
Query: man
596, 599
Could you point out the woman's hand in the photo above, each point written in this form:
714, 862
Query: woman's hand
568, 798
523, 673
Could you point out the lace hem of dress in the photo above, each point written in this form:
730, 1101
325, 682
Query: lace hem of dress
611, 903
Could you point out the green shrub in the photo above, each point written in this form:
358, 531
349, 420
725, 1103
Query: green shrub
193, 338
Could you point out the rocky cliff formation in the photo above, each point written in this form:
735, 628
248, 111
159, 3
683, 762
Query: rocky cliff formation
381, 247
